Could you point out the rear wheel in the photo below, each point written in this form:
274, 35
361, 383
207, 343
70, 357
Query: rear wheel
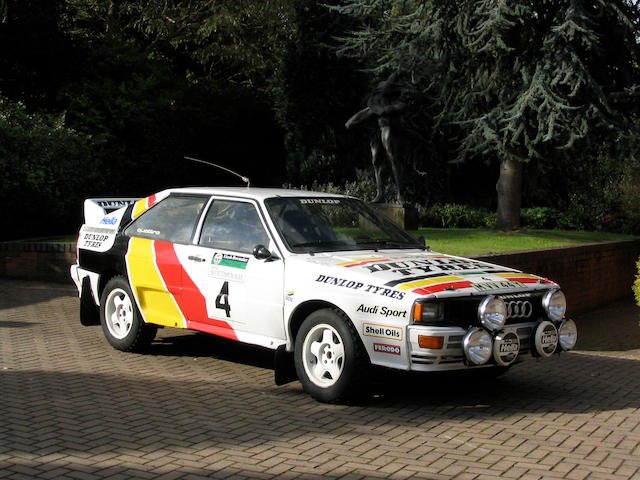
329, 358
121, 321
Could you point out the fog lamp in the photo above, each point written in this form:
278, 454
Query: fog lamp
568, 333
477, 346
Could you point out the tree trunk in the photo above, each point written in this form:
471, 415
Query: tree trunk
509, 188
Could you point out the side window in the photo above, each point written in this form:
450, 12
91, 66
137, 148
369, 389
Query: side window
233, 226
172, 220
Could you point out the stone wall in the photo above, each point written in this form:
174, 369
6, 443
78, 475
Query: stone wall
37, 260
590, 275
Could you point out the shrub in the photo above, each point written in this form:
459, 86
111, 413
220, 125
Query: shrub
539, 217
451, 215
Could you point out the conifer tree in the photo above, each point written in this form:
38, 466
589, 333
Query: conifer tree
515, 81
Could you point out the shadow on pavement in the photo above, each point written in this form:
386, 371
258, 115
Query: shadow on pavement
25, 292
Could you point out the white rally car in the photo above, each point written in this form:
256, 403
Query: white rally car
324, 280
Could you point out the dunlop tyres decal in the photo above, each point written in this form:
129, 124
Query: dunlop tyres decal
149, 286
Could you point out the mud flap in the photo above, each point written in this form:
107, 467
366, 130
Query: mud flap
284, 368
89, 312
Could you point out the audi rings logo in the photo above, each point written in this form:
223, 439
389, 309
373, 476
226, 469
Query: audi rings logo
519, 309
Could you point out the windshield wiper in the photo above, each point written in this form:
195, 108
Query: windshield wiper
379, 242
318, 243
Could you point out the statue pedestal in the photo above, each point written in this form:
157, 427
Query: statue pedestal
405, 216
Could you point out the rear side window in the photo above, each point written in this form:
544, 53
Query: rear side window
174, 220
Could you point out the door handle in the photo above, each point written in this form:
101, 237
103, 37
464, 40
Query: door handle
194, 258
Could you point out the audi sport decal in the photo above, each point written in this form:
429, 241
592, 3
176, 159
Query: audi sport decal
382, 311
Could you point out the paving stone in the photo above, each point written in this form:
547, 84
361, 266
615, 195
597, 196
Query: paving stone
195, 406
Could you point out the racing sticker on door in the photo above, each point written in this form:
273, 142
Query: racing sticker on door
158, 278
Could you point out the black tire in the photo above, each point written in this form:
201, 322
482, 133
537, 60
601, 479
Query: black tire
329, 357
121, 321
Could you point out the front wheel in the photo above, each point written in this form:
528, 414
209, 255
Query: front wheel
121, 321
329, 358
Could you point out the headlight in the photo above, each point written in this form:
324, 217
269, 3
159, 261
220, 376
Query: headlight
554, 304
568, 333
427, 312
492, 313
477, 346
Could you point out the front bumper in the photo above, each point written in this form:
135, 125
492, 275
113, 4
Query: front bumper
452, 357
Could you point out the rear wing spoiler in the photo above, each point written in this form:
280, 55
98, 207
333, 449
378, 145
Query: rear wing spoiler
96, 208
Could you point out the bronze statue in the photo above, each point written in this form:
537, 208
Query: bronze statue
386, 105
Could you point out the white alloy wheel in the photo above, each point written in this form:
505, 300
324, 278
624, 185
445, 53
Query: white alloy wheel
323, 355
119, 313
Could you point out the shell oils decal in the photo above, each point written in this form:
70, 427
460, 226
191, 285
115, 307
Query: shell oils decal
158, 278
382, 331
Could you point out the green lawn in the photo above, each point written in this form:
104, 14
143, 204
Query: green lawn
471, 241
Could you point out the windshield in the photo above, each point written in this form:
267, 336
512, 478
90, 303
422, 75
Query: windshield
334, 224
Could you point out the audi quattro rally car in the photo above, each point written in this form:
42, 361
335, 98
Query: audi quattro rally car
321, 279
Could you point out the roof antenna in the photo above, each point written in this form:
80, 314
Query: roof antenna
211, 164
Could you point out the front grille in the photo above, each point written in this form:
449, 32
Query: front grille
463, 312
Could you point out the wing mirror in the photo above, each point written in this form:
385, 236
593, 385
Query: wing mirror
262, 253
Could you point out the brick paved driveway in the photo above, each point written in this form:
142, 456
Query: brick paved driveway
195, 406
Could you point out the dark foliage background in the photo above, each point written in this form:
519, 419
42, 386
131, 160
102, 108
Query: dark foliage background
105, 97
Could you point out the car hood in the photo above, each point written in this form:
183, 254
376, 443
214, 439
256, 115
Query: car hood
424, 273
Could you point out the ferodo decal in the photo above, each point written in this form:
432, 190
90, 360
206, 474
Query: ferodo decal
385, 348
382, 331
384, 311
368, 288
